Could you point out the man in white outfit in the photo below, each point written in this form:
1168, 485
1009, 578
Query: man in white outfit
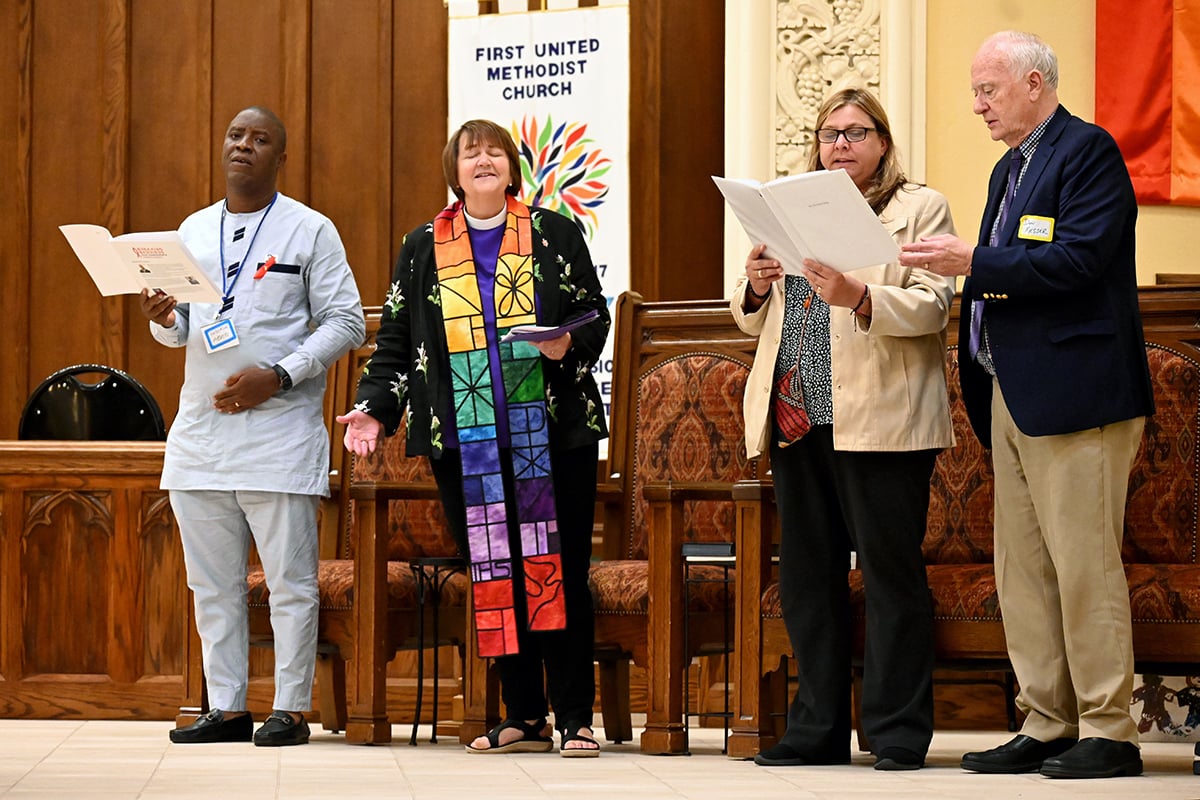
248, 453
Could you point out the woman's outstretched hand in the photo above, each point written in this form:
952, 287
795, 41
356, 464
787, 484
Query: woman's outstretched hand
363, 432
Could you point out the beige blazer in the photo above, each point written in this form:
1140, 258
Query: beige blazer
889, 375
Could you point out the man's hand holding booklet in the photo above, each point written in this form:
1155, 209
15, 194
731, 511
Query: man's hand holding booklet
819, 215
158, 261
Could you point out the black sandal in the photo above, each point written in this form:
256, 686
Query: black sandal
532, 738
591, 748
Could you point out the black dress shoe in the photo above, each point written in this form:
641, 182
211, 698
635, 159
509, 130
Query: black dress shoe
891, 759
784, 755
1095, 758
280, 730
1020, 754
214, 727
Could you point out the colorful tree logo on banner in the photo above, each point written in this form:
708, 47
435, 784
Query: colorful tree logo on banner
561, 170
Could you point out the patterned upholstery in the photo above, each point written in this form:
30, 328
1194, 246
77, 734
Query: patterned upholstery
1160, 545
1160, 549
418, 527
687, 428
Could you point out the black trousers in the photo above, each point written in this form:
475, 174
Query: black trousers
875, 503
554, 669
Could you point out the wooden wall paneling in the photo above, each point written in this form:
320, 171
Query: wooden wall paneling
250, 63
69, 322
296, 52
16, 88
645, 119
114, 167
351, 131
171, 155
420, 108
676, 143
692, 149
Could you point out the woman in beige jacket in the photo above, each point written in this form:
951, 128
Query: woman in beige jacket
848, 395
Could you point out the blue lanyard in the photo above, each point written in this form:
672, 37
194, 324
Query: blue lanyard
227, 284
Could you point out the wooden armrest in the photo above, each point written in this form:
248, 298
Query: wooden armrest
384, 491
754, 490
674, 492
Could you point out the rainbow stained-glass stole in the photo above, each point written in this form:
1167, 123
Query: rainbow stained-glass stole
477, 403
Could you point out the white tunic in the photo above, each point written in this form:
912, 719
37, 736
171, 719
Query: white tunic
303, 314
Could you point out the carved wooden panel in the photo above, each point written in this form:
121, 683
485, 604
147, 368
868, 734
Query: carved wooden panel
92, 592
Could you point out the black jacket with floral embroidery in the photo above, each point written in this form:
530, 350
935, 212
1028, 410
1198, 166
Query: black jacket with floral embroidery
411, 365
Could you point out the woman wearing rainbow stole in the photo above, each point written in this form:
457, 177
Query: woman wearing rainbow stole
510, 427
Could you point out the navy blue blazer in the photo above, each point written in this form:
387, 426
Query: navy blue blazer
1062, 315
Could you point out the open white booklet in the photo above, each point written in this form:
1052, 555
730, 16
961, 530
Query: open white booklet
819, 215
126, 264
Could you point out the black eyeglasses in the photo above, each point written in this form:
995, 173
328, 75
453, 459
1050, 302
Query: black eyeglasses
830, 135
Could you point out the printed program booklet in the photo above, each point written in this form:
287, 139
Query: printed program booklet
126, 264
819, 215
542, 333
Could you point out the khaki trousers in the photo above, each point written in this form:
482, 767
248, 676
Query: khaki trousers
1060, 506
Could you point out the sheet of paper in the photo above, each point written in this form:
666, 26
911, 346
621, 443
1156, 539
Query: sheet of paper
759, 221
127, 264
819, 215
542, 333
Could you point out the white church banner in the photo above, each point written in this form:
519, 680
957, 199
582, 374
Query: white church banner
559, 81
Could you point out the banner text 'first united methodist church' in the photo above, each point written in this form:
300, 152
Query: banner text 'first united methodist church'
544, 69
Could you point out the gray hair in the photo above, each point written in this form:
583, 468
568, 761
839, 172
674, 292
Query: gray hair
1027, 52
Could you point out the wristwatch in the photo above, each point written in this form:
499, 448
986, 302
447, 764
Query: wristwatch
285, 380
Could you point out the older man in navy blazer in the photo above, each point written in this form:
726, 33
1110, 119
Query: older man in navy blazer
1055, 380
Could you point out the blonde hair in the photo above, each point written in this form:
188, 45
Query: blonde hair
889, 175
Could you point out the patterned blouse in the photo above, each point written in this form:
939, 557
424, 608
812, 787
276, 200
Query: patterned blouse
806, 339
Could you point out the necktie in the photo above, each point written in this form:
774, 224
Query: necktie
1014, 173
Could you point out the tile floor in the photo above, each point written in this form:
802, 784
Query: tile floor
59, 759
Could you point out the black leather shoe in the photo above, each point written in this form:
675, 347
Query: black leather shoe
1095, 758
1021, 754
898, 758
214, 727
280, 730
783, 755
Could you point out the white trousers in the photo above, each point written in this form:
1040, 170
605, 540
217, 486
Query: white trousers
216, 527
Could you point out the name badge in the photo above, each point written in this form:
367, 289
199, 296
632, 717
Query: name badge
1037, 228
220, 335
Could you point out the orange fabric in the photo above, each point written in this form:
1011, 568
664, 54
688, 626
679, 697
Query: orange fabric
1147, 77
1133, 89
1185, 114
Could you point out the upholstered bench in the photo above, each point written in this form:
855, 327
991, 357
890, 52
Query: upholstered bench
1160, 547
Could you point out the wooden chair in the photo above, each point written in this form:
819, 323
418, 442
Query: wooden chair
367, 543
675, 452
